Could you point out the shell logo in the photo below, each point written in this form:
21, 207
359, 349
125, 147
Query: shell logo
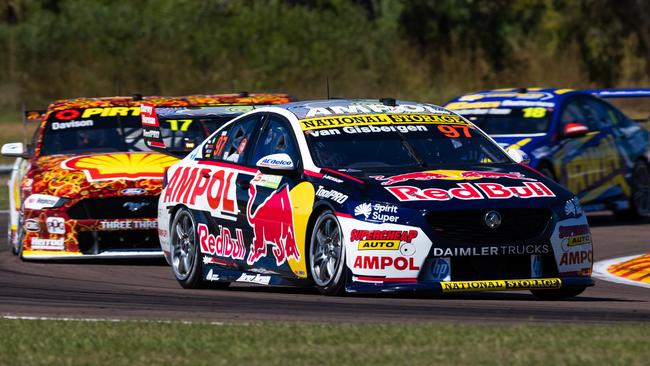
131, 166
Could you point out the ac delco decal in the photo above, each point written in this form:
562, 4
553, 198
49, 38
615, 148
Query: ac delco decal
471, 191
222, 245
379, 244
383, 262
204, 188
399, 235
499, 285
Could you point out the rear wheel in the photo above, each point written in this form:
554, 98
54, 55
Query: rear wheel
560, 294
327, 255
640, 197
184, 252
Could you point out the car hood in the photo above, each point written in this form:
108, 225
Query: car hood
474, 186
98, 175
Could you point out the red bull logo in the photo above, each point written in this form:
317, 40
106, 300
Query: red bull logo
471, 191
448, 175
272, 223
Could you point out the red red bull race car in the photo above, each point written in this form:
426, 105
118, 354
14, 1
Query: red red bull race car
367, 196
87, 186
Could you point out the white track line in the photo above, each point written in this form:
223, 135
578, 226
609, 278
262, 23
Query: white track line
600, 271
112, 320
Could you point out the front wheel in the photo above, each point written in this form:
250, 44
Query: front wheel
560, 294
184, 252
327, 255
17, 245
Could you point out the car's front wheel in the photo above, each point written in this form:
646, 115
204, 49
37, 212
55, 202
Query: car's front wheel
184, 252
327, 255
559, 294
17, 245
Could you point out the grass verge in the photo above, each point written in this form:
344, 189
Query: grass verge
43, 342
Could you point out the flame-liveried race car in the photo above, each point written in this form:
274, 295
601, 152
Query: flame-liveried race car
367, 196
574, 137
87, 186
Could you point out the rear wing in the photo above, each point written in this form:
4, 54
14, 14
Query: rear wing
634, 102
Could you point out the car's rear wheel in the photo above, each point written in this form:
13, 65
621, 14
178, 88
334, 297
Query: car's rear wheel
560, 294
327, 255
184, 252
640, 197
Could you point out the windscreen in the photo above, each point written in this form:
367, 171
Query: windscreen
398, 141
111, 129
510, 121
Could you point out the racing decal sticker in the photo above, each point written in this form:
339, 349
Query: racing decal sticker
47, 244
369, 108
448, 175
376, 212
331, 194
379, 120
510, 249
55, 225
472, 191
126, 224
572, 246
441, 269
374, 262
222, 245
500, 285
272, 223
130, 166
206, 188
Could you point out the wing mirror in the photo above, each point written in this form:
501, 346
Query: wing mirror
574, 129
13, 149
278, 164
518, 156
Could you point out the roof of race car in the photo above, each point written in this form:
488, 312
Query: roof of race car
180, 101
515, 97
534, 97
337, 107
199, 112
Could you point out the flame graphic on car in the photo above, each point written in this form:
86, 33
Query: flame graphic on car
130, 166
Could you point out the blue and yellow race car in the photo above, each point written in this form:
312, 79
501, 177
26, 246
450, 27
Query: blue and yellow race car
574, 137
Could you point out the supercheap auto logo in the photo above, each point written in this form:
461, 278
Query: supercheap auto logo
121, 166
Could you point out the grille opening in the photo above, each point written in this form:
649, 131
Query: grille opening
115, 208
469, 226
498, 267
95, 242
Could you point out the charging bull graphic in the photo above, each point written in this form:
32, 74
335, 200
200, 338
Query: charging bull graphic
272, 223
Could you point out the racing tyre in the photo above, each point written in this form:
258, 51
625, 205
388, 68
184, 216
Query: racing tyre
560, 294
17, 245
640, 199
185, 258
327, 255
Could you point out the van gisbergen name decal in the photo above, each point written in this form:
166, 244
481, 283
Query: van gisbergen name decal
379, 119
471, 191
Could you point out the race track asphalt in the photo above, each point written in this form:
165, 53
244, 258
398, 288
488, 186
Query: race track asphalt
148, 290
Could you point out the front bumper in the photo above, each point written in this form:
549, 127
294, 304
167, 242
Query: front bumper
471, 286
